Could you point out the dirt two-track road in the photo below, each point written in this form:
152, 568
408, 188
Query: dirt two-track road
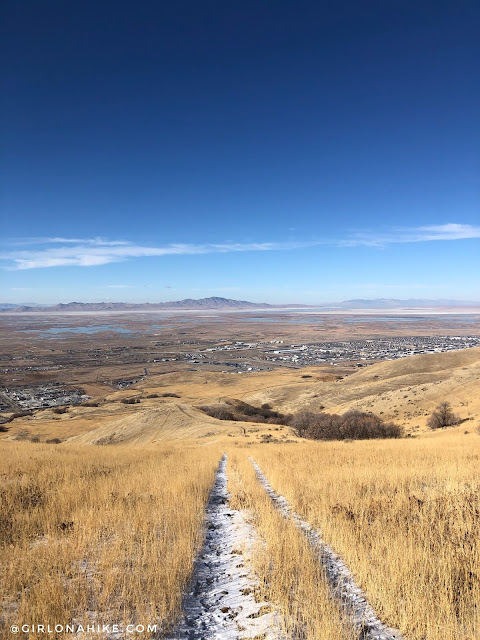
221, 600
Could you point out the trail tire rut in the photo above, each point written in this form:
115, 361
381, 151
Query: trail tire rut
342, 584
221, 603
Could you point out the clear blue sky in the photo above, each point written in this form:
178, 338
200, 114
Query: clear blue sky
274, 151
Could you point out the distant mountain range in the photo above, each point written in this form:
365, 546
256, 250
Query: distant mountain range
411, 303
214, 302
204, 303
6, 306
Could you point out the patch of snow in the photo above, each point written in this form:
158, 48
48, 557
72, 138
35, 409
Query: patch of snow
221, 604
40, 541
339, 577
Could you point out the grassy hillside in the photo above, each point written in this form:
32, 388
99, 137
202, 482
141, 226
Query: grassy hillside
405, 391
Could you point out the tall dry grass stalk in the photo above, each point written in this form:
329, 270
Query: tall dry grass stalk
92, 534
290, 576
109, 534
404, 515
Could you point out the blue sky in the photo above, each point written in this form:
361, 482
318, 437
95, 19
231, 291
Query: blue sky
273, 151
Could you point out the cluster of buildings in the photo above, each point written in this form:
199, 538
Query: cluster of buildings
241, 357
41, 396
374, 349
360, 352
239, 346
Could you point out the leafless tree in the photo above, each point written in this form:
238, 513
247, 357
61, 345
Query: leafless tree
443, 416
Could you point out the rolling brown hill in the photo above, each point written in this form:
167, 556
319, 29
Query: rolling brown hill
405, 391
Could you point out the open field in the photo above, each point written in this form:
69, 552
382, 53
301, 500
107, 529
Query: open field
289, 574
93, 535
403, 515
109, 534
105, 526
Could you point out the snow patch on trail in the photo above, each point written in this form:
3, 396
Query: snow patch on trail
339, 577
221, 602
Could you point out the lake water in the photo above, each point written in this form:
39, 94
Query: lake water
296, 317
89, 330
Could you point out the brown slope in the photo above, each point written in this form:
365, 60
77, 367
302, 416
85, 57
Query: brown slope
154, 424
404, 390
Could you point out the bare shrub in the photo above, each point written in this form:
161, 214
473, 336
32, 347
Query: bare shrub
255, 418
359, 425
281, 419
21, 414
22, 434
244, 412
60, 410
265, 411
220, 413
249, 410
302, 422
353, 425
443, 416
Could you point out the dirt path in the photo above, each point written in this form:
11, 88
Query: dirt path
221, 604
349, 596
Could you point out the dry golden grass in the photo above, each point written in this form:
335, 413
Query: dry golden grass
403, 514
290, 576
107, 530
405, 390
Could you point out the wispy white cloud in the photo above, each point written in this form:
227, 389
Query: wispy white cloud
450, 231
89, 254
41, 241
75, 252
118, 286
97, 242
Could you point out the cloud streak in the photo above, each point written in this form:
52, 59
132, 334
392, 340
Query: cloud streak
90, 252
118, 286
450, 231
89, 255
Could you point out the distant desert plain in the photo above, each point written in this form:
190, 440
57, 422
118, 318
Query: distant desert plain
395, 363
157, 475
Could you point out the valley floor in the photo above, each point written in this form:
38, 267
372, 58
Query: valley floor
162, 536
